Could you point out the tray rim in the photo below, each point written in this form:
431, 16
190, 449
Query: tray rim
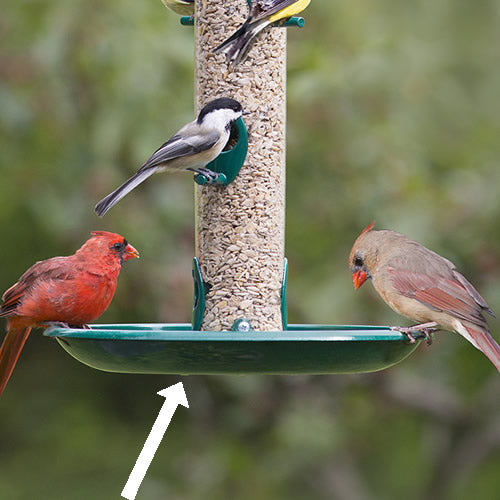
178, 332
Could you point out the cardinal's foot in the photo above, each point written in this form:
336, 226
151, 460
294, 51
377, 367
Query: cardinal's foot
55, 324
425, 328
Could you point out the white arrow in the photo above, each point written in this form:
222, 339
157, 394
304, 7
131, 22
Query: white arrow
174, 395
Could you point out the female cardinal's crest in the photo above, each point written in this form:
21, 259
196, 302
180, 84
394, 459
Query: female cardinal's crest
367, 228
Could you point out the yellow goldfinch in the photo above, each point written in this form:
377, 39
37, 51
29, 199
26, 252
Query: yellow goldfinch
262, 13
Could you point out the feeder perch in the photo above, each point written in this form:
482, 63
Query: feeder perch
294, 21
239, 318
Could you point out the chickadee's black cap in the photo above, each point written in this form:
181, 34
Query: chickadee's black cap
220, 103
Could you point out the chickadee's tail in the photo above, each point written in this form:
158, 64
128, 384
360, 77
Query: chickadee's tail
9, 352
482, 339
113, 198
237, 45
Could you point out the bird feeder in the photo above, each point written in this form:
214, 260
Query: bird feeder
239, 320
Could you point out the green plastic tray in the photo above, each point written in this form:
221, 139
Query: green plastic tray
177, 349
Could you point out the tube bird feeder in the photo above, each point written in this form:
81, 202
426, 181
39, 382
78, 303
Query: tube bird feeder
240, 228
239, 312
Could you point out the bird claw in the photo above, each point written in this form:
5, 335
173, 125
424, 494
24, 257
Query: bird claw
209, 174
62, 324
401, 329
425, 328
428, 337
55, 324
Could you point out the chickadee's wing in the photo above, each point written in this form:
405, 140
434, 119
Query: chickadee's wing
438, 293
178, 146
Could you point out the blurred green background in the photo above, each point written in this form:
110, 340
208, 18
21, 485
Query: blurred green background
393, 115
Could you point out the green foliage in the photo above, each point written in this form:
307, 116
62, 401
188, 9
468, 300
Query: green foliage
393, 115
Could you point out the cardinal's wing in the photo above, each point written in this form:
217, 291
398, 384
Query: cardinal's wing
439, 293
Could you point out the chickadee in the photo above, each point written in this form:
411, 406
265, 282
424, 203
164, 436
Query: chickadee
262, 13
191, 148
181, 7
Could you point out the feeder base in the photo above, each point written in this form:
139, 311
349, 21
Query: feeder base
177, 349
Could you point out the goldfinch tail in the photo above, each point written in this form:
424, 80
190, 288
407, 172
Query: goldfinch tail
238, 44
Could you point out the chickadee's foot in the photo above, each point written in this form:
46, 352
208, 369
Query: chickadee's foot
209, 174
425, 328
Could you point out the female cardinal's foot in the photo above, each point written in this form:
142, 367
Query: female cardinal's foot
425, 328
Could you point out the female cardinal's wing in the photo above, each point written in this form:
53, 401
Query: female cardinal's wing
473, 292
439, 293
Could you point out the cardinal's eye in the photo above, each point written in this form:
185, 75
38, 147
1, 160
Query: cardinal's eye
118, 246
358, 262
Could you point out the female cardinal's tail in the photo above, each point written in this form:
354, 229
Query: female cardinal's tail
482, 339
106, 203
9, 352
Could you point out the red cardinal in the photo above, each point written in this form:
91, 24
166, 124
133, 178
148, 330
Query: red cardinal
71, 290
423, 286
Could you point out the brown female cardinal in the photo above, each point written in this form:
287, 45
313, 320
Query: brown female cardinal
423, 286
69, 290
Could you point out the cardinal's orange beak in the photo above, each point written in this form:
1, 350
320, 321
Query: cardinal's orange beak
130, 252
358, 278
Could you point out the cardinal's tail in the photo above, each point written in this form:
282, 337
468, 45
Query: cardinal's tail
106, 203
482, 339
237, 45
9, 352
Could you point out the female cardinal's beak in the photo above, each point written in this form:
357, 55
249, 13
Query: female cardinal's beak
358, 278
130, 252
